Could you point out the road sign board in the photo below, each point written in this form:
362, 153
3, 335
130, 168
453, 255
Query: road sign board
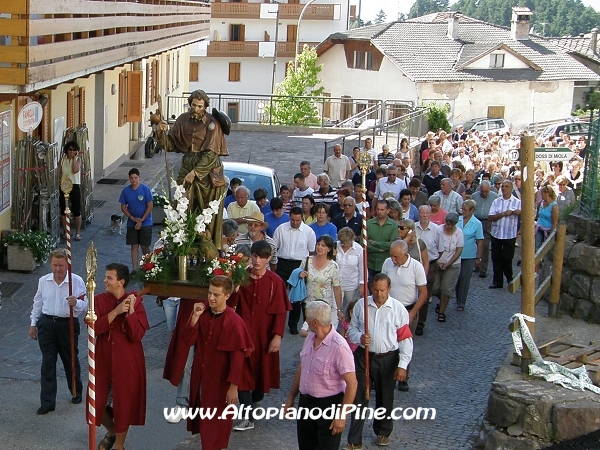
514, 154
553, 154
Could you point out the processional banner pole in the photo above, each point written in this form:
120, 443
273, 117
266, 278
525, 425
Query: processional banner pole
90, 320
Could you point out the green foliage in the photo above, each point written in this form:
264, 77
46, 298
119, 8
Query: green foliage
593, 99
295, 98
423, 7
437, 116
39, 242
380, 17
550, 17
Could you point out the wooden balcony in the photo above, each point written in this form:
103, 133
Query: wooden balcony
250, 48
292, 11
53, 41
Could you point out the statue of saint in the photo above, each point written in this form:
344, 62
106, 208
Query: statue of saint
200, 136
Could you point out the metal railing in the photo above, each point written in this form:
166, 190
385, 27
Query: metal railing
411, 126
248, 108
590, 197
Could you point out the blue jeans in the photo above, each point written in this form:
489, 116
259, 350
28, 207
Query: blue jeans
171, 307
183, 388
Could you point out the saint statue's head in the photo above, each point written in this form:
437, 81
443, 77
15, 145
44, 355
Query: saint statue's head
198, 101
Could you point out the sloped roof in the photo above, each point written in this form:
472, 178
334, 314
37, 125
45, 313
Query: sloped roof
421, 49
581, 45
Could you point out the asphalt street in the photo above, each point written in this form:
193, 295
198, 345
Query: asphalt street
453, 365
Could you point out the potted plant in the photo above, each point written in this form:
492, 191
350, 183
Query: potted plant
28, 249
158, 208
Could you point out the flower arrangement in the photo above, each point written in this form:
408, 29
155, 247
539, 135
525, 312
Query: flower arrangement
38, 242
232, 265
152, 264
181, 225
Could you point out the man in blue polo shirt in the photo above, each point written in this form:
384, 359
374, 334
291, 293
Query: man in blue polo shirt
136, 204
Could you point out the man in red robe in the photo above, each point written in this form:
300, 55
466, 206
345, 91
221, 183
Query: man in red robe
263, 304
120, 363
222, 343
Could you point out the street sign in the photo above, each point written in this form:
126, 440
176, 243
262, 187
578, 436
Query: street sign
514, 154
30, 117
553, 154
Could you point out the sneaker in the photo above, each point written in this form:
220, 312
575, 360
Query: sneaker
177, 417
244, 425
352, 447
383, 441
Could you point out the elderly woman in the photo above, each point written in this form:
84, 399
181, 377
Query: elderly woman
565, 195
448, 264
230, 232
417, 249
438, 214
322, 276
350, 262
470, 257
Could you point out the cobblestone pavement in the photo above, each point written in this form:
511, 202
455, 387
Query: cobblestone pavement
453, 362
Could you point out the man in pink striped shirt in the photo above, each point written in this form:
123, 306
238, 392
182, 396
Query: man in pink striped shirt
325, 377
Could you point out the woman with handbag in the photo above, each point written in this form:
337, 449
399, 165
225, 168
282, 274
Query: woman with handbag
323, 280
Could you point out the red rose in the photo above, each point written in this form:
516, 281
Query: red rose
158, 251
148, 267
218, 272
237, 258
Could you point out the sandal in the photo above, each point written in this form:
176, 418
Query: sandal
77, 237
107, 442
460, 308
437, 309
441, 317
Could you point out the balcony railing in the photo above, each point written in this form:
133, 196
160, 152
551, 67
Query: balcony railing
52, 41
251, 48
287, 11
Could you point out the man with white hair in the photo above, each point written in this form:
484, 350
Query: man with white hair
241, 209
318, 389
325, 194
385, 157
337, 166
449, 200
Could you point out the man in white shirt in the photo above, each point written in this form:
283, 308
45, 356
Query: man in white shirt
391, 183
388, 358
504, 214
337, 166
432, 235
50, 327
295, 241
450, 200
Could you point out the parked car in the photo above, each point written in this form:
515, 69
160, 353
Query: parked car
253, 177
487, 125
574, 129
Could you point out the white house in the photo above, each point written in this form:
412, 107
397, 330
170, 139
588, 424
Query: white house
478, 68
238, 57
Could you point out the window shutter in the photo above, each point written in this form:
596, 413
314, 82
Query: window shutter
155, 80
134, 96
122, 96
81, 105
148, 84
71, 109
242, 32
234, 71
168, 73
194, 71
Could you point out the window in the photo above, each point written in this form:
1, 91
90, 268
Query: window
369, 61
75, 107
234, 71
194, 71
168, 75
130, 97
237, 32
496, 60
359, 60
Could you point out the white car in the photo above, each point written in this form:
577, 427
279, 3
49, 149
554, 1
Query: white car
487, 125
253, 177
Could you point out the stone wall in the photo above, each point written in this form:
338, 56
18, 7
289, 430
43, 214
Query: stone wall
580, 284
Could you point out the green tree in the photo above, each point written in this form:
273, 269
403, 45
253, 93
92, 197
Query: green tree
380, 17
295, 98
437, 116
550, 17
422, 7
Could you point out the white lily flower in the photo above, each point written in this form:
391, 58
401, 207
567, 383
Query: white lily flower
200, 227
173, 183
214, 205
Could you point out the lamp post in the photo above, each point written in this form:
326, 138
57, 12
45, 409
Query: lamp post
298, 32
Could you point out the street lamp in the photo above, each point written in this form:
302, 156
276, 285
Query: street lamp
298, 32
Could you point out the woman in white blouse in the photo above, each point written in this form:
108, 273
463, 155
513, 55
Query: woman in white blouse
350, 261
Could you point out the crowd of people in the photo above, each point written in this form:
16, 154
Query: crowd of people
433, 217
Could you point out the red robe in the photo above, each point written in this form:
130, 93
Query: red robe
263, 304
178, 351
120, 362
222, 343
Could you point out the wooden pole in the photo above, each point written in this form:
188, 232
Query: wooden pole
557, 266
66, 186
90, 320
527, 158
364, 162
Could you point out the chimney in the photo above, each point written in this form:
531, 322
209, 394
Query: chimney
520, 23
453, 26
594, 41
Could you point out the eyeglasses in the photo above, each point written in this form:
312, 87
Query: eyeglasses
71, 150
402, 227
348, 204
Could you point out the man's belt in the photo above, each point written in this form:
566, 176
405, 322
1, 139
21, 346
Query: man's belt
55, 318
382, 355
